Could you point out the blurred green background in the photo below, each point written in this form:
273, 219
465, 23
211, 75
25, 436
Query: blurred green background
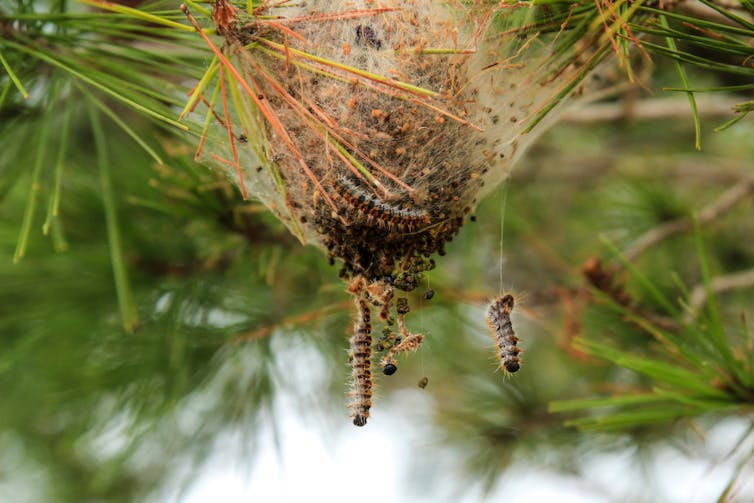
234, 313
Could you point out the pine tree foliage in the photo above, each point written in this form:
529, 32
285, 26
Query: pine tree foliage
143, 300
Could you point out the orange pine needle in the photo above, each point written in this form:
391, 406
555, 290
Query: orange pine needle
265, 5
608, 31
268, 113
301, 109
286, 30
222, 160
277, 125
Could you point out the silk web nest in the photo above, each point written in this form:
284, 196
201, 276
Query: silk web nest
372, 128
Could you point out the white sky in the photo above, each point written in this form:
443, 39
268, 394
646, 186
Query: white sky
324, 458
371, 465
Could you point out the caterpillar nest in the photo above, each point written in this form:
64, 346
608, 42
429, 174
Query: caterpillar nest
372, 128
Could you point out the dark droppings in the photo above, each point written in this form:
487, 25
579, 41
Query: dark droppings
366, 36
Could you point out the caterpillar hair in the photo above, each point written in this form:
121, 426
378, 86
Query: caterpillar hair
361, 364
499, 320
357, 285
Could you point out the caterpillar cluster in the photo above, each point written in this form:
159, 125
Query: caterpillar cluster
371, 129
362, 207
432, 98
378, 293
499, 320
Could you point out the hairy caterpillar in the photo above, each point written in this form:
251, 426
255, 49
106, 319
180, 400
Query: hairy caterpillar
499, 320
361, 365
365, 208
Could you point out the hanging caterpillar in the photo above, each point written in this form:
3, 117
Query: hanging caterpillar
365, 208
499, 320
361, 364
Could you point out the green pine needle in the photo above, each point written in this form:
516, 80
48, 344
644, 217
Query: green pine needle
54, 205
105, 109
31, 203
646, 283
122, 285
684, 79
13, 78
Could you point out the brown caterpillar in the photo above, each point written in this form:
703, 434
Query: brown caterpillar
367, 209
499, 320
361, 364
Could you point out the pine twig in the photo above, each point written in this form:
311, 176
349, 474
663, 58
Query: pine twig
726, 202
651, 109
699, 10
721, 284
